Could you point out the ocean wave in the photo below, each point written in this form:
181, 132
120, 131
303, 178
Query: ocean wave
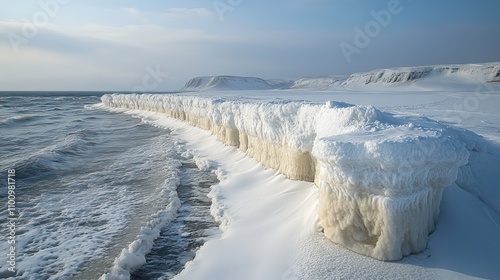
63, 231
17, 120
59, 156
134, 255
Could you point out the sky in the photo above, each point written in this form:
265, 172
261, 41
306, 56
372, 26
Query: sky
158, 45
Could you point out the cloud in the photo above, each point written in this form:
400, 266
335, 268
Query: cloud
47, 38
178, 15
98, 57
110, 49
184, 13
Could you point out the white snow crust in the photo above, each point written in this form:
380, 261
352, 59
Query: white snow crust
380, 177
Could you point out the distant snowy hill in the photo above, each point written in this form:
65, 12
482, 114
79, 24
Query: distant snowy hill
227, 83
420, 78
253, 83
462, 73
281, 83
319, 83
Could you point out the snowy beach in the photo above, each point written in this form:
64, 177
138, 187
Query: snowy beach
285, 215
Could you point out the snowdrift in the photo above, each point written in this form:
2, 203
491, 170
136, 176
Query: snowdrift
226, 83
380, 178
488, 72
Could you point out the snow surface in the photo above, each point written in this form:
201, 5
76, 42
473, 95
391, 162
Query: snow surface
271, 224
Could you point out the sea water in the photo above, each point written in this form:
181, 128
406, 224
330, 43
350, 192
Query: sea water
88, 183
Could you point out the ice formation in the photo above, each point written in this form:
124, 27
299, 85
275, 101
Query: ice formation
380, 178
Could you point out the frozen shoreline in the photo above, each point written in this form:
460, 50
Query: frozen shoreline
469, 216
271, 227
375, 172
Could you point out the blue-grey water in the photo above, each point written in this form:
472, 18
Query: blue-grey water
87, 181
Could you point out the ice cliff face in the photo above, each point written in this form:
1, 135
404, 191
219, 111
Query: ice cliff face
380, 178
226, 83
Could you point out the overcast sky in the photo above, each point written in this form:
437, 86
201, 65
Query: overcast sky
125, 45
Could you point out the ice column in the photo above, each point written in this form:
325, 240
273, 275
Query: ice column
380, 197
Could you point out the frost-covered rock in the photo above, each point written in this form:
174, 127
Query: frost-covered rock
496, 77
380, 178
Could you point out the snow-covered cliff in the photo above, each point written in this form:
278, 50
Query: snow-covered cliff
318, 83
226, 83
440, 76
465, 72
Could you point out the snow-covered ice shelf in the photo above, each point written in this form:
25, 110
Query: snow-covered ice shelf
380, 178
